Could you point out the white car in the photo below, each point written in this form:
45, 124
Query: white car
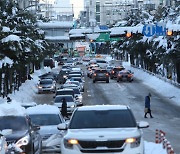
71, 104
100, 129
46, 85
47, 117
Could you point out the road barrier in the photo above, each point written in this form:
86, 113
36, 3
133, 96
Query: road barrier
161, 139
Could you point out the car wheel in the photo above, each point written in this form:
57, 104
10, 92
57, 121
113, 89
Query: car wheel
117, 80
107, 81
94, 81
111, 77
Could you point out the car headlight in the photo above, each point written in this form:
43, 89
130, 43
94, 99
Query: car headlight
134, 142
64, 76
40, 87
52, 87
23, 141
68, 143
72, 106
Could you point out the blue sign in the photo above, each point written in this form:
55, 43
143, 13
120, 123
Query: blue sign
160, 29
103, 27
149, 30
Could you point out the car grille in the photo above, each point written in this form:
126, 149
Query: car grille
108, 144
11, 142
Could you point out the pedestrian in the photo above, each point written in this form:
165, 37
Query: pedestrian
64, 108
148, 106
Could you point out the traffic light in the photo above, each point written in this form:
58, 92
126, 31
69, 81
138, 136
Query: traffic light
169, 33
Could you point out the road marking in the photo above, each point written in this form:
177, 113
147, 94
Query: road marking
89, 95
122, 88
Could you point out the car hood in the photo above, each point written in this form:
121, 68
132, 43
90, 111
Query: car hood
44, 130
16, 135
46, 85
103, 134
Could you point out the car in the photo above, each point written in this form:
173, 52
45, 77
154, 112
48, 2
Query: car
91, 71
78, 95
74, 75
77, 83
69, 63
81, 81
3, 143
47, 117
49, 62
115, 70
65, 91
100, 75
62, 76
110, 129
71, 104
124, 75
109, 68
46, 85
25, 136
76, 72
102, 63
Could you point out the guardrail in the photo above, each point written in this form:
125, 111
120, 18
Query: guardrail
159, 76
161, 139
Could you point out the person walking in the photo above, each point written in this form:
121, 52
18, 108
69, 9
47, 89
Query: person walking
148, 106
64, 108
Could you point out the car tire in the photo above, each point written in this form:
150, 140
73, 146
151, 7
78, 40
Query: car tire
107, 81
111, 77
117, 80
94, 81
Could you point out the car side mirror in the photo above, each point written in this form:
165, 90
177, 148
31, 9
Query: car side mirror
62, 126
143, 124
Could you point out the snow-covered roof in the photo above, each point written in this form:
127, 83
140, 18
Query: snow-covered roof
43, 109
5, 29
174, 27
103, 107
56, 24
58, 38
11, 38
12, 109
5, 61
121, 30
80, 31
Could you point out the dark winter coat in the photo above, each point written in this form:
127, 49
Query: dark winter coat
147, 102
64, 108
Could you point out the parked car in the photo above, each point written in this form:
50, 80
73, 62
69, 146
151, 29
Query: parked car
49, 62
124, 75
46, 85
115, 70
24, 135
71, 104
110, 129
47, 117
100, 75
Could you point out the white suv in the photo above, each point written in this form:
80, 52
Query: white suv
103, 129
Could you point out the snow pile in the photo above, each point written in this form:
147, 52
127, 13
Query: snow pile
12, 109
11, 38
5, 61
153, 148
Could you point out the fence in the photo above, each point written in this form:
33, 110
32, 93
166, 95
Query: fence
161, 139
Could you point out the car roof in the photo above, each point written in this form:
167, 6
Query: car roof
46, 79
43, 109
65, 89
64, 96
103, 107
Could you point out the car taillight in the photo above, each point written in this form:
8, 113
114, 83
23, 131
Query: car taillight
119, 75
129, 75
107, 74
112, 72
94, 74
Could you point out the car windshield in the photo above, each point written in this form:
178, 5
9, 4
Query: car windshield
16, 123
101, 61
46, 82
45, 119
76, 79
68, 98
76, 91
118, 69
65, 92
102, 119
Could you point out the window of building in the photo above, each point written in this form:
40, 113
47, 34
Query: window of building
97, 6
98, 17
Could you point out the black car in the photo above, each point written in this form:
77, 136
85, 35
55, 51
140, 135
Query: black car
100, 75
115, 70
49, 62
24, 134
